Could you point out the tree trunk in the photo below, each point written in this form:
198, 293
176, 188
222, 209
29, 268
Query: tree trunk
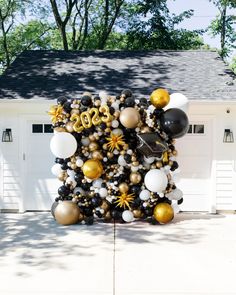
64, 38
5, 45
223, 29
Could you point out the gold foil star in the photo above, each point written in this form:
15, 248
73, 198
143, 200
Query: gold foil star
124, 199
115, 141
56, 113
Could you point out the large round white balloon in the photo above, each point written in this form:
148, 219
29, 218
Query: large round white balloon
178, 100
56, 169
63, 145
155, 180
127, 216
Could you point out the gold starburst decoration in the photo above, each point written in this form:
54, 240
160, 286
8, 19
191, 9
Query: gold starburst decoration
115, 141
56, 113
124, 199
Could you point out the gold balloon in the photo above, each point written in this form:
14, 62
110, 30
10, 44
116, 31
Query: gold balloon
69, 127
60, 129
137, 213
160, 98
107, 216
67, 213
92, 169
62, 176
163, 213
97, 155
135, 177
145, 129
123, 187
105, 205
129, 117
93, 146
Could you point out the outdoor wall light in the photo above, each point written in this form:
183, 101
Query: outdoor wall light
7, 135
228, 136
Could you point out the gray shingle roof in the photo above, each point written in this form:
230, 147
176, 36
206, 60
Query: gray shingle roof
50, 74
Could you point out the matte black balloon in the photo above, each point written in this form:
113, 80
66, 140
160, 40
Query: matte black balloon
86, 100
63, 191
179, 202
96, 201
127, 93
61, 100
174, 122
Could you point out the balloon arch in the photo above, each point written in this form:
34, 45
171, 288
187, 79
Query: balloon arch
116, 156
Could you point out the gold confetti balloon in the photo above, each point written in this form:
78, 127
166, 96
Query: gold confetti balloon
163, 213
67, 213
92, 169
129, 117
160, 98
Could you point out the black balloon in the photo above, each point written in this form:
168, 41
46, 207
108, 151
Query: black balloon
64, 191
174, 122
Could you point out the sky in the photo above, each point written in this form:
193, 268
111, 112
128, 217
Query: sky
204, 13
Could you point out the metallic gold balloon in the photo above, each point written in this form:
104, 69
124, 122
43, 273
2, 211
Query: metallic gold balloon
137, 213
93, 146
135, 177
107, 216
67, 213
92, 169
163, 213
123, 187
160, 98
105, 205
145, 129
97, 155
60, 129
69, 127
129, 117
62, 176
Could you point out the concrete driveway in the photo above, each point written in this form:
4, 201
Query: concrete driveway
195, 254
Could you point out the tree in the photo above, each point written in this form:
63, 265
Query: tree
17, 37
153, 27
223, 25
233, 64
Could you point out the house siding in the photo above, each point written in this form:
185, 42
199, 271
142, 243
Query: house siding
216, 187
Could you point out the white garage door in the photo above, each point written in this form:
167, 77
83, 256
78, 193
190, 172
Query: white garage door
40, 186
195, 158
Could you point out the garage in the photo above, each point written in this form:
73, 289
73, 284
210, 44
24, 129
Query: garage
40, 186
195, 160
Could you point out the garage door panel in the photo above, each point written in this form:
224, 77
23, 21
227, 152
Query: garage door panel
195, 166
41, 189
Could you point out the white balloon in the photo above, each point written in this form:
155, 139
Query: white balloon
103, 192
97, 183
177, 194
127, 216
63, 145
56, 169
178, 100
144, 195
175, 208
85, 141
155, 180
149, 160
79, 162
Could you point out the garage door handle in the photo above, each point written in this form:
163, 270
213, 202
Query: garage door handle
23, 156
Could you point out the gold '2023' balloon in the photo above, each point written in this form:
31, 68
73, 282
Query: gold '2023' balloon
163, 213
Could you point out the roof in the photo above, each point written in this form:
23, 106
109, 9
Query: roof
49, 74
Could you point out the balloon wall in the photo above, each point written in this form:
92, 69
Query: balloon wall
116, 158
